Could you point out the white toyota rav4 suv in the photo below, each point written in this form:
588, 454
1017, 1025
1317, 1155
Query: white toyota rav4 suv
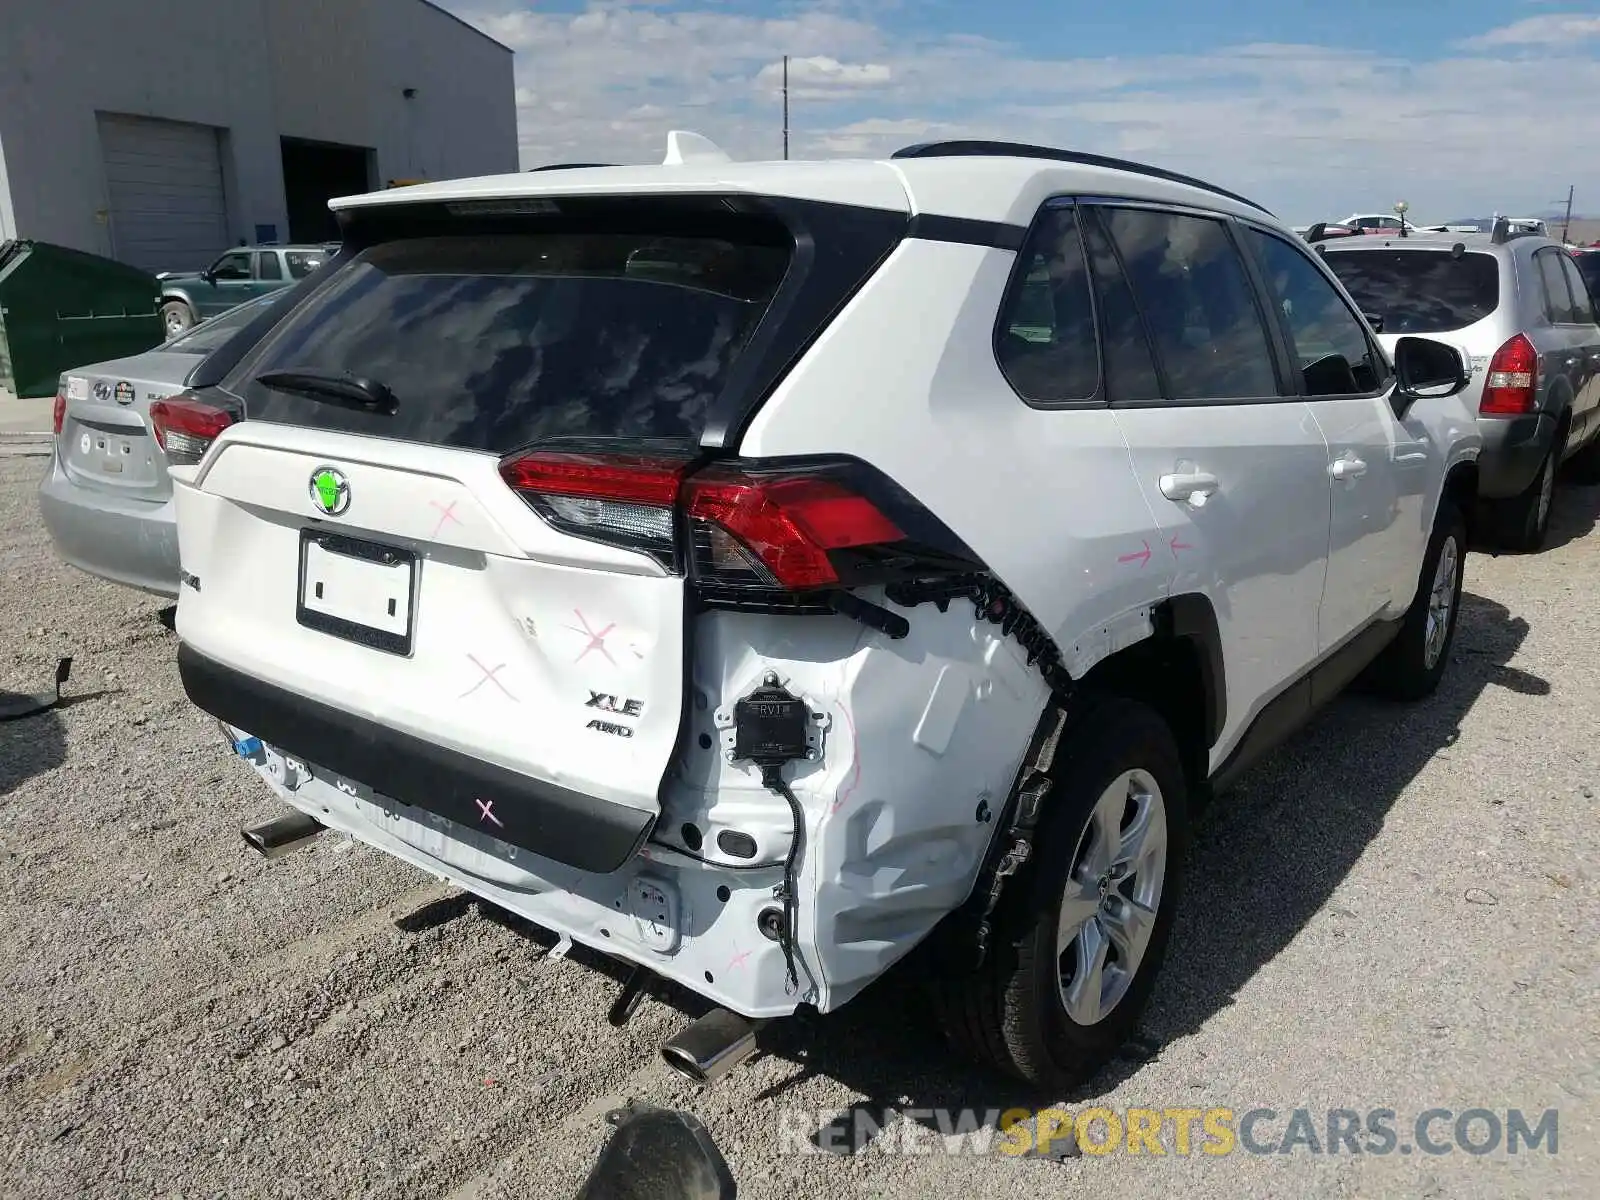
758, 571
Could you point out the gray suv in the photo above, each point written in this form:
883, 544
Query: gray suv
1518, 308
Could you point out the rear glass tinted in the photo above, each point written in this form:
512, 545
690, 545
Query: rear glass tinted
1420, 291
493, 342
206, 337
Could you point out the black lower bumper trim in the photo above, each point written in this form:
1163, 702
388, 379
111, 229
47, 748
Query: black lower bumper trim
551, 821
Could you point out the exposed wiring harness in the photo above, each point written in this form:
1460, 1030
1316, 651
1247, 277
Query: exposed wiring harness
772, 779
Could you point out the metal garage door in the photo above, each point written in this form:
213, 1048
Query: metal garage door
168, 211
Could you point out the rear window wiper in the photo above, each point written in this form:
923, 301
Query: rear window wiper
351, 391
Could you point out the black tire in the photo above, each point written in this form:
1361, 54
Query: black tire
177, 318
1521, 523
1406, 670
1009, 1014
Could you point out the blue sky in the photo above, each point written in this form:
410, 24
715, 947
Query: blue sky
1460, 108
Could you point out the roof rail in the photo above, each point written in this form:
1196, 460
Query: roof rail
978, 148
569, 166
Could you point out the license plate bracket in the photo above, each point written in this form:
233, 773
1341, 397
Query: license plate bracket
358, 591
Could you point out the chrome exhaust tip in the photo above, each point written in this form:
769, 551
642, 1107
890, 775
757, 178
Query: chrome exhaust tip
276, 838
712, 1046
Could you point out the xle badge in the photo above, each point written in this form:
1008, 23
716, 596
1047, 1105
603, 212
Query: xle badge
606, 702
610, 727
330, 491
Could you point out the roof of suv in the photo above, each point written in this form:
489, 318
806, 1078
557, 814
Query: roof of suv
1478, 243
997, 182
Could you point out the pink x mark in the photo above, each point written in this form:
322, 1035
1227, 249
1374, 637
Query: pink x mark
486, 812
488, 677
447, 512
738, 959
597, 641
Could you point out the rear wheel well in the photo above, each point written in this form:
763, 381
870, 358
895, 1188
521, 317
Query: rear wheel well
1461, 489
1169, 673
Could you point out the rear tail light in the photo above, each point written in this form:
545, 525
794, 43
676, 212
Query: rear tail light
186, 427
749, 527
60, 409
1512, 381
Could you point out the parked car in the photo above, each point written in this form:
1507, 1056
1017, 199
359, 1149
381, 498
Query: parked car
1588, 261
1378, 223
106, 498
239, 275
759, 614
1516, 304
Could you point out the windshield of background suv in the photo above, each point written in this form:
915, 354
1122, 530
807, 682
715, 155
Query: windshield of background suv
490, 343
1420, 291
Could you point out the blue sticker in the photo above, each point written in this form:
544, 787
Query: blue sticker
247, 747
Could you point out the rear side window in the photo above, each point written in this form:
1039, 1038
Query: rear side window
1420, 291
1046, 341
1588, 265
267, 265
1191, 285
301, 263
1557, 300
492, 342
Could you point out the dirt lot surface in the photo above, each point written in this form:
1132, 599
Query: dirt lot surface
1400, 910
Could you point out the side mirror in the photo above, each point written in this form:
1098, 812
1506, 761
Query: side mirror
658, 1154
209, 276
1425, 368
1375, 320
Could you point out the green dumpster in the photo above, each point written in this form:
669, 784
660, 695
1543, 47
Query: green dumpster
62, 308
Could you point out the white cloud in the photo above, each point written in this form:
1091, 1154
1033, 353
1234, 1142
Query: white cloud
1312, 131
1553, 29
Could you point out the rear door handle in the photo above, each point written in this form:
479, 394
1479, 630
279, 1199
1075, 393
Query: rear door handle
1189, 487
1347, 466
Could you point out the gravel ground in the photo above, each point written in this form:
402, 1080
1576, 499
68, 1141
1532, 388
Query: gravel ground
1399, 911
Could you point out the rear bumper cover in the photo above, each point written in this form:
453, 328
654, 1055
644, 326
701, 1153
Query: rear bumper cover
1514, 448
128, 541
568, 827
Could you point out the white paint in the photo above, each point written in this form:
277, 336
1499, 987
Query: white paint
255, 70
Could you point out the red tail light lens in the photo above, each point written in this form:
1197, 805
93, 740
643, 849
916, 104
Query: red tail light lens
1513, 380
750, 528
783, 527
60, 411
186, 427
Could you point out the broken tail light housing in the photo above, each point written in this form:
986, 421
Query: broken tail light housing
743, 530
1511, 384
185, 427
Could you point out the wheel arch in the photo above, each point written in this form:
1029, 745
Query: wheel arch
1180, 672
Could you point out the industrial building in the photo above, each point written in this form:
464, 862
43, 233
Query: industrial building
163, 132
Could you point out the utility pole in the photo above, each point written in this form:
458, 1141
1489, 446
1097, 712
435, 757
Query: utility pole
1566, 221
786, 108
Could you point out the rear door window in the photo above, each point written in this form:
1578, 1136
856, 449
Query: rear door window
267, 266
1582, 301
1046, 340
1557, 299
492, 342
1191, 286
1129, 364
1420, 291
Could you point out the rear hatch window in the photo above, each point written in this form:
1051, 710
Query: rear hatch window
492, 342
1420, 291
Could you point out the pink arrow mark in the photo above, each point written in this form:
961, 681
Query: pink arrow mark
1176, 545
1140, 556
